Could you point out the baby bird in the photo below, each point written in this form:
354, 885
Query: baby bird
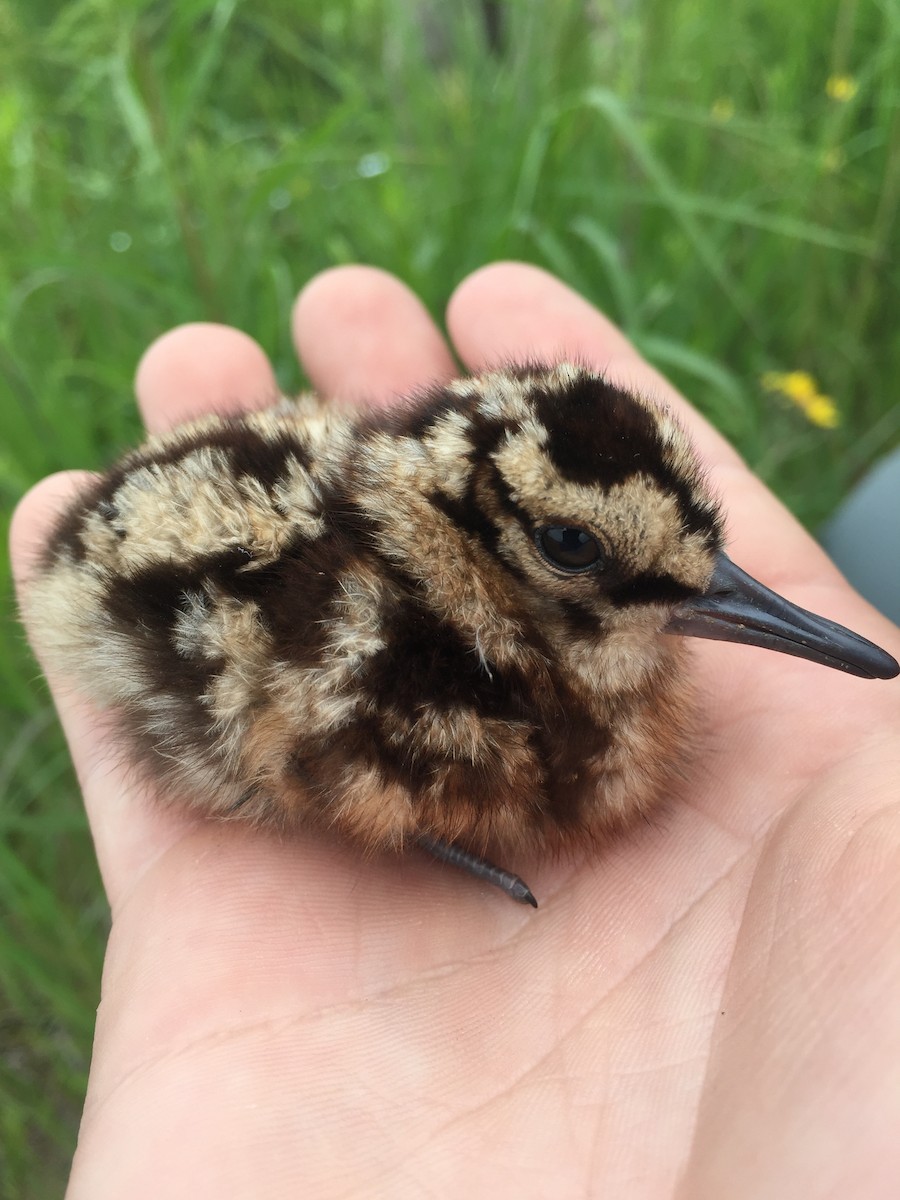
448, 624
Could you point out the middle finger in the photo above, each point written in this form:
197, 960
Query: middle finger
362, 335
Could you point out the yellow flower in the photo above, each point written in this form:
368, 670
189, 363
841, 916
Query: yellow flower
822, 411
841, 88
802, 389
796, 385
722, 109
799, 386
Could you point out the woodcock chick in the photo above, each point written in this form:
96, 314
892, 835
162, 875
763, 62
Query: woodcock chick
448, 624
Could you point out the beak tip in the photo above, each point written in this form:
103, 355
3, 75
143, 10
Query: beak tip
890, 669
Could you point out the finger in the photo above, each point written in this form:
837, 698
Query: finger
128, 833
362, 335
201, 368
513, 311
35, 517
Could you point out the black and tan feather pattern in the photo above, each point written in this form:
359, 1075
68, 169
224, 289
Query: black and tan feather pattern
352, 620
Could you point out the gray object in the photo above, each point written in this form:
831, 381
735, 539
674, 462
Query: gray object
863, 537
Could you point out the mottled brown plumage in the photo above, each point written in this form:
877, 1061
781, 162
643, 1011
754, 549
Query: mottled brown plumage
444, 623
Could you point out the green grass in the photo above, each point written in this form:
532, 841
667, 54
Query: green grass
678, 161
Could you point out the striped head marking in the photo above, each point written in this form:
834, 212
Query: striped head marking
581, 498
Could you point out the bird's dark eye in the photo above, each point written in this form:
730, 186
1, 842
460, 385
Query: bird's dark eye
568, 547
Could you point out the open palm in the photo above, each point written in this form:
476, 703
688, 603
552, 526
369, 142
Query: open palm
708, 1009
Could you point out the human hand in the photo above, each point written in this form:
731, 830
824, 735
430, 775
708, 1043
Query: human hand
708, 1009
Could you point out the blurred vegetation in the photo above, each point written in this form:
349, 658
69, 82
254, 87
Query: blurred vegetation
722, 179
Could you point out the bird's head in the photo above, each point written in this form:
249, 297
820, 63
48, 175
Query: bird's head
589, 506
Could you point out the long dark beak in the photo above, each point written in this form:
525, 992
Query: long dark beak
735, 608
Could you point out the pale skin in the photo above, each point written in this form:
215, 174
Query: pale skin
707, 1009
